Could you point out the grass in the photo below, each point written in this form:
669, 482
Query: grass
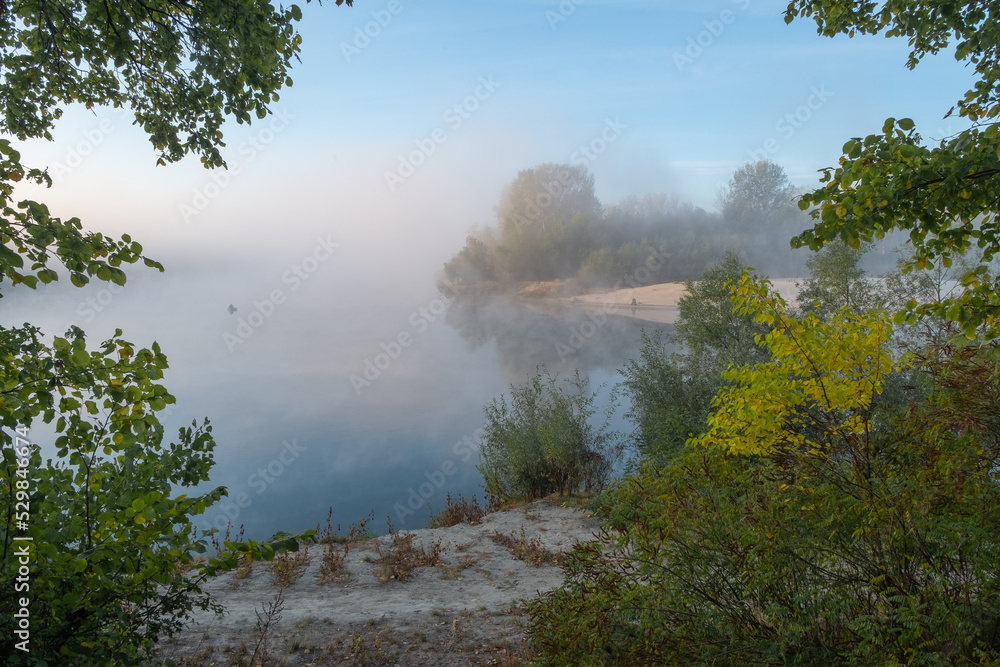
455, 571
333, 559
286, 568
530, 551
460, 510
398, 560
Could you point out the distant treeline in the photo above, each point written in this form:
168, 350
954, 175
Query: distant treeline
550, 225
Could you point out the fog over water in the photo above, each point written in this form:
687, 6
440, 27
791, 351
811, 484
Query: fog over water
362, 445
328, 262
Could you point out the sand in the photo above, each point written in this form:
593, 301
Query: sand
654, 303
465, 611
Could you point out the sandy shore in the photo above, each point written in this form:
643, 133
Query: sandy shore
654, 303
463, 611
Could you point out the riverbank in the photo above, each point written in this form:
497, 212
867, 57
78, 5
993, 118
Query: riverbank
463, 610
653, 303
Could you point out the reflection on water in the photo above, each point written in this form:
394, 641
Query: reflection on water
529, 332
294, 435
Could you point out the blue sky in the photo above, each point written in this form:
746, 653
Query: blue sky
695, 89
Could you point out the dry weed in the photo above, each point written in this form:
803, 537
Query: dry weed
530, 551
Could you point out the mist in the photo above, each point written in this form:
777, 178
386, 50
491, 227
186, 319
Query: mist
302, 308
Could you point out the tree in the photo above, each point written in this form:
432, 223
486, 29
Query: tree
836, 280
812, 524
945, 195
546, 195
757, 194
716, 336
670, 394
669, 399
108, 539
827, 372
182, 67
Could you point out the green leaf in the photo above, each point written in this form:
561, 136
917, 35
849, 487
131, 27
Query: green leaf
81, 358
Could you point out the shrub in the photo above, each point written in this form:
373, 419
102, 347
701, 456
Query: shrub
851, 537
401, 557
530, 551
110, 531
333, 559
543, 442
459, 511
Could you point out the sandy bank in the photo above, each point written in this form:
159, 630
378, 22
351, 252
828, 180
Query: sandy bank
654, 303
464, 611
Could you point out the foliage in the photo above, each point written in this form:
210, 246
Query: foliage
824, 373
714, 334
945, 196
670, 394
837, 280
543, 441
544, 196
522, 548
668, 403
286, 568
551, 226
757, 194
183, 67
860, 534
111, 538
111, 558
336, 547
397, 560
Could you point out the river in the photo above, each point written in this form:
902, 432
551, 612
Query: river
363, 400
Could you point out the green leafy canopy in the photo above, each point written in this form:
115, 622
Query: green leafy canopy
183, 68
111, 565
946, 195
